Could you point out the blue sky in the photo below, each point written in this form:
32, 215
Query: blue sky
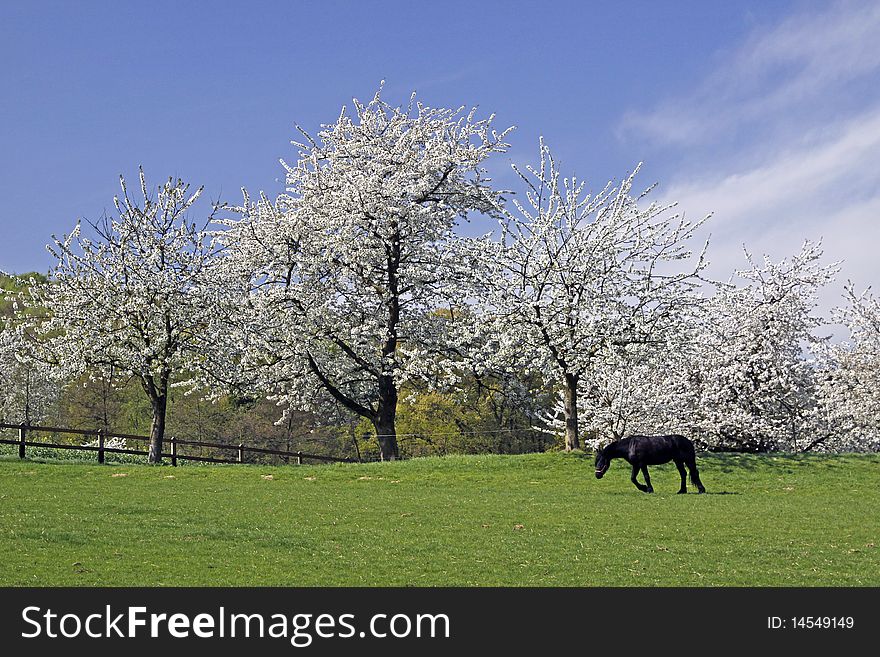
765, 113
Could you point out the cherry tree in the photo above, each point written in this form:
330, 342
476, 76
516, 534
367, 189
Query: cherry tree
133, 300
346, 271
849, 389
753, 385
27, 392
577, 277
641, 388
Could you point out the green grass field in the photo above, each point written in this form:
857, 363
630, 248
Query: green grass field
535, 520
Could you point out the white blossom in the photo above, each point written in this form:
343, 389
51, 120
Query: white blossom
849, 372
27, 392
343, 277
753, 386
578, 277
133, 295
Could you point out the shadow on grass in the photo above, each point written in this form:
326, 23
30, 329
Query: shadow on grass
763, 460
728, 461
657, 493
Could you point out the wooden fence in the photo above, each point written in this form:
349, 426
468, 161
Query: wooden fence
241, 449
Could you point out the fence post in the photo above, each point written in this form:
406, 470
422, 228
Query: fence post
173, 451
299, 458
240, 453
22, 433
100, 445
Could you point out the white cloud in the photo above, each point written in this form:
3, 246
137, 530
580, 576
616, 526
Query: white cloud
799, 186
794, 71
782, 143
828, 191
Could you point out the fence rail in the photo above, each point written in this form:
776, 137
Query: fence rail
102, 436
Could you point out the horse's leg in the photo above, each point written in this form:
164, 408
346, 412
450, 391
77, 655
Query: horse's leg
648, 487
635, 471
680, 466
695, 475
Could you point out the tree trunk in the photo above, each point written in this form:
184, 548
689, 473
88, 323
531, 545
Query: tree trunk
27, 397
571, 413
386, 433
386, 411
157, 427
354, 440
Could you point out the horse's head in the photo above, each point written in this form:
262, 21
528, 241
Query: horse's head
602, 463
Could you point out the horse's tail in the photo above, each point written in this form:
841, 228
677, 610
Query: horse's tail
695, 474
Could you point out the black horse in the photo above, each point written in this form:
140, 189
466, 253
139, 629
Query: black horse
642, 451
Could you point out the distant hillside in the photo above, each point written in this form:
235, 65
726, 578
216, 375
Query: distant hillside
10, 284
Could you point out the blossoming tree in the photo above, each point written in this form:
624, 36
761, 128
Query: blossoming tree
849, 390
577, 275
27, 391
753, 386
134, 299
347, 269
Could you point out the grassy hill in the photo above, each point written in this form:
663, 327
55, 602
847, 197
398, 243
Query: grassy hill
530, 520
